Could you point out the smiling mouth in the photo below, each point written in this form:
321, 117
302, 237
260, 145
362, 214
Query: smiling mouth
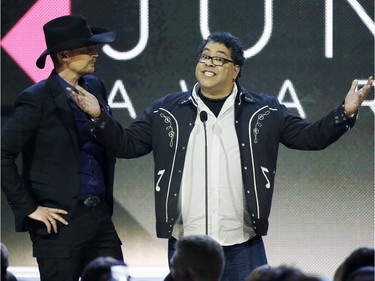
208, 73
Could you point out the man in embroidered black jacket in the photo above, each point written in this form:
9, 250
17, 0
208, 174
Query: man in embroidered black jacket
243, 132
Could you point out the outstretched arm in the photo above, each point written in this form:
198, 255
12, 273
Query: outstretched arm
354, 99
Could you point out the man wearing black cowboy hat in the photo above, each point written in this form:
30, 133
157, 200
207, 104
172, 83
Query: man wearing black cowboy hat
64, 196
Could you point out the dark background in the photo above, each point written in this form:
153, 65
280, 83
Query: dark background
324, 201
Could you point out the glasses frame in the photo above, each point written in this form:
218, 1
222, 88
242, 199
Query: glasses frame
212, 59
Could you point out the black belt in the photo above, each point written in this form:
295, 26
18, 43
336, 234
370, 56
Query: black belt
91, 201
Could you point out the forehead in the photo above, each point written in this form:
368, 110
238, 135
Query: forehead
217, 48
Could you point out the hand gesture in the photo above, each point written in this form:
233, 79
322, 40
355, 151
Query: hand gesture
49, 216
86, 101
354, 99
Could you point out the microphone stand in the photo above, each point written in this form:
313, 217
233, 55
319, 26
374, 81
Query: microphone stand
203, 117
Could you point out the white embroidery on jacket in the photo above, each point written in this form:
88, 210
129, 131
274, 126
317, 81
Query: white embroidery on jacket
258, 125
169, 128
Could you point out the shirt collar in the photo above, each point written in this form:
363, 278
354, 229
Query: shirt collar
231, 97
65, 84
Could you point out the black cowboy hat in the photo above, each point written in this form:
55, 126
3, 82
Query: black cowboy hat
71, 32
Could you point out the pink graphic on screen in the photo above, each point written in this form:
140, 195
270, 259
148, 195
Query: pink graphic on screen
25, 41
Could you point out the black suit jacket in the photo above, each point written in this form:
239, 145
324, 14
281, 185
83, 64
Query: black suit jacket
43, 130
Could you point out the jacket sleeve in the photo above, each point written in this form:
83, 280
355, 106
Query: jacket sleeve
15, 134
131, 142
300, 134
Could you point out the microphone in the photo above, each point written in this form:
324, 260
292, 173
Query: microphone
203, 116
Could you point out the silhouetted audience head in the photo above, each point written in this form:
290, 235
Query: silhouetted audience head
169, 277
360, 257
259, 272
279, 273
362, 274
197, 258
105, 269
5, 274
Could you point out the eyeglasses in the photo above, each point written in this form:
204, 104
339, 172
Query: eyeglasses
218, 61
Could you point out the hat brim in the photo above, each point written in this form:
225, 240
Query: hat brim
100, 36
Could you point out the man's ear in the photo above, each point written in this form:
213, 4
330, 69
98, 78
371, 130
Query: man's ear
63, 54
237, 70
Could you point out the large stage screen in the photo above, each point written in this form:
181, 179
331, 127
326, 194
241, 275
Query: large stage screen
304, 52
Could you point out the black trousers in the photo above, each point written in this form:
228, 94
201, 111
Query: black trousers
90, 234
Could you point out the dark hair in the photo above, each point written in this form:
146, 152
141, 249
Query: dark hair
4, 260
231, 42
365, 273
360, 257
280, 273
99, 269
203, 254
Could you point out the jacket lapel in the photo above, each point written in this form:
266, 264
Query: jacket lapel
64, 111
